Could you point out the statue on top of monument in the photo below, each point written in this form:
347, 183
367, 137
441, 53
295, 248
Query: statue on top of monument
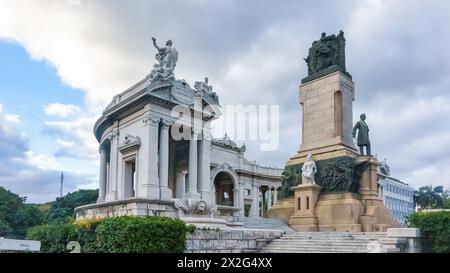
205, 88
167, 58
309, 170
326, 52
363, 135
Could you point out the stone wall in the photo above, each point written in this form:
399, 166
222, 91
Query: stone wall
129, 207
230, 240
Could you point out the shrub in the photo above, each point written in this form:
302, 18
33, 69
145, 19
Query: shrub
142, 235
115, 235
54, 237
435, 227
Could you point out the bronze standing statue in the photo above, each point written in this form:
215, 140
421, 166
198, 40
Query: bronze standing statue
363, 135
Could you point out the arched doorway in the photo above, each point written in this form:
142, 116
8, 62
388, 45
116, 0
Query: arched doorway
224, 184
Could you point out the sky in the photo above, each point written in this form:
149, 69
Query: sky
62, 62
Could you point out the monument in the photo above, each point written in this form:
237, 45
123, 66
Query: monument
146, 170
342, 194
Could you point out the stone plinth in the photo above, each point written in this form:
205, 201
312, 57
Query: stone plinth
304, 217
128, 207
376, 216
327, 111
283, 209
339, 212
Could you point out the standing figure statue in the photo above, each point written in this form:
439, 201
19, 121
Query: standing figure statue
309, 170
363, 135
167, 58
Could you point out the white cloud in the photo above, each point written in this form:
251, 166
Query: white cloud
75, 137
42, 162
28, 173
61, 110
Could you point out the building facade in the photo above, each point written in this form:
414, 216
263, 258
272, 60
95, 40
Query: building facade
397, 196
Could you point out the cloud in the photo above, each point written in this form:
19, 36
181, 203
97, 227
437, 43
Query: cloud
74, 137
61, 110
29, 174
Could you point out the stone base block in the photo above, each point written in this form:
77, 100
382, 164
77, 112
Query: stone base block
323, 153
376, 217
166, 194
209, 222
303, 223
283, 209
131, 207
339, 212
340, 228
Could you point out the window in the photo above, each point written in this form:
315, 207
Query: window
299, 203
307, 202
130, 178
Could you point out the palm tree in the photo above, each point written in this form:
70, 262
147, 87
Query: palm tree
428, 197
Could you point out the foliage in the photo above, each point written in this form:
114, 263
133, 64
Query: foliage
16, 216
430, 197
115, 235
142, 235
447, 203
435, 227
54, 237
63, 208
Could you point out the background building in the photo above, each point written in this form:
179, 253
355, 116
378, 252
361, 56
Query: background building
397, 196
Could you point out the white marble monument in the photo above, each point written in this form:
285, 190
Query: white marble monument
146, 170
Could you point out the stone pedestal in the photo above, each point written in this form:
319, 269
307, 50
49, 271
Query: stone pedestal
283, 209
376, 217
339, 212
304, 218
327, 112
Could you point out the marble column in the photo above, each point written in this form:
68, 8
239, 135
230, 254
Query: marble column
112, 194
269, 201
193, 160
204, 170
255, 201
103, 175
236, 199
263, 202
149, 155
166, 193
275, 195
241, 199
181, 184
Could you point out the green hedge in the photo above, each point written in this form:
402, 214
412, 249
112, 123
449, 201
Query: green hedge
53, 237
125, 234
435, 228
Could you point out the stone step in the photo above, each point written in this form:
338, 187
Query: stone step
326, 243
325, 248
323, 242
309, 251
267, 224
314, 250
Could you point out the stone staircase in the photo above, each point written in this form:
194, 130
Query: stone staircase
325, 242
266, 224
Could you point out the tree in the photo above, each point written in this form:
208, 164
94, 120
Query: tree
63, 208
16, 216
428, 197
